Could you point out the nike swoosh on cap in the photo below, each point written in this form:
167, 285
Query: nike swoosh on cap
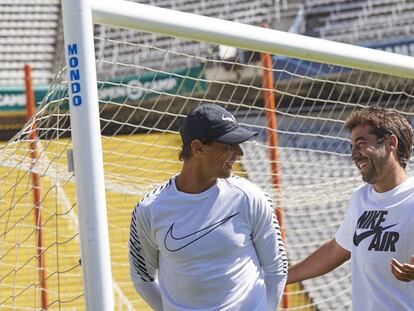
228, 118
362, 236
181, 242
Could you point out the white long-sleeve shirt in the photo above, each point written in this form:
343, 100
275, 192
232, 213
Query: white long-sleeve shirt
208, 251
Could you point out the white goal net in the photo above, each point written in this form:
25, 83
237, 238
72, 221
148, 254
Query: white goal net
147, 83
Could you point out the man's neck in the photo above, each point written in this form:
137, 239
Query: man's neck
192, 180
393, 178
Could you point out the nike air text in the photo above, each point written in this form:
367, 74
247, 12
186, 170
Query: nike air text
383, 241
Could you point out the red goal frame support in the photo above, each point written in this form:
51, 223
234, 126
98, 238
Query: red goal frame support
36, 185
272, 140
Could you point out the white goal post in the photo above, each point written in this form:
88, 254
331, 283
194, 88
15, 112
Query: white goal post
79, 17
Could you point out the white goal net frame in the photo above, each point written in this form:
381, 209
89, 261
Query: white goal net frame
319, 83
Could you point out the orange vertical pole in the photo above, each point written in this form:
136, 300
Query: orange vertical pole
270, 105
30, 111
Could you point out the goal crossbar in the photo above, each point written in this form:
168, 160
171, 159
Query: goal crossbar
213, 30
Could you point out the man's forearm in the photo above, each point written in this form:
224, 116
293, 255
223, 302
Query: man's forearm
323, 260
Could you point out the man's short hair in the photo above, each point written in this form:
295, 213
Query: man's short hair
385, 122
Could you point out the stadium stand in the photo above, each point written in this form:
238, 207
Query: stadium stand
359, 21
28, 34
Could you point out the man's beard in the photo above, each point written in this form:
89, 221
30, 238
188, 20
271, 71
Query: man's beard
375, 168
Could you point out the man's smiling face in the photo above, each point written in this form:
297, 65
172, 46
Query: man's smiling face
368, 154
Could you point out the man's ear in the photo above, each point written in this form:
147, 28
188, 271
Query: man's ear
392, 142
197, 147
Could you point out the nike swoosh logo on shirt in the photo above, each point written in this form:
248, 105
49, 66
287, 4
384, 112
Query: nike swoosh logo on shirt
362, 236
181, 242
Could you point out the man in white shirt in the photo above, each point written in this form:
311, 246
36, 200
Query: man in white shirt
207, 240
378, 230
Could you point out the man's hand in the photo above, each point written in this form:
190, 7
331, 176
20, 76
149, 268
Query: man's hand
403, 272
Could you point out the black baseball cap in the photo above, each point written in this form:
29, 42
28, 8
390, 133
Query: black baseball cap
213, 122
